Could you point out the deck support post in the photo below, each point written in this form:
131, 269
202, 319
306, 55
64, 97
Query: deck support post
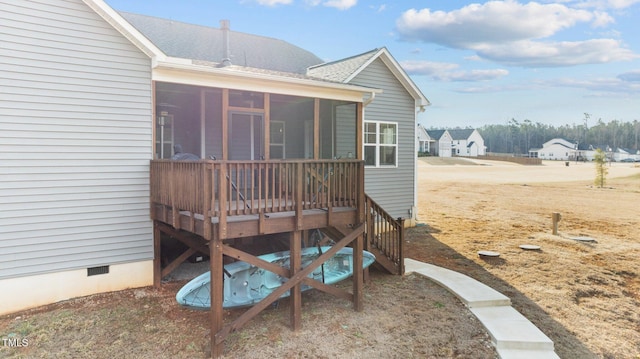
358, 275
217, 285
157, 253
295, 265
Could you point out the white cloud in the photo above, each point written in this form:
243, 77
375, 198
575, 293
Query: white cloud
340, 4
473, 75
427, 67
379, 8
621, 4
552, 54
606, 4
602, 19
442, 71
631, 76
274, 2
599, 87
512, 33
492, 22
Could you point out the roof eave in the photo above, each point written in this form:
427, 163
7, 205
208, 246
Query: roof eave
401, 75
126, 29
179, 70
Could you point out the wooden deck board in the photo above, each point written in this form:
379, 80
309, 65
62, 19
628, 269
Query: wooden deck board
248, 225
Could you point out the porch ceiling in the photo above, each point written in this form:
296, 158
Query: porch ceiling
235, 77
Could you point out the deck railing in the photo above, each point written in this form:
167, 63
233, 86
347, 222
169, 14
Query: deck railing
220, 189
385, 236
232, 188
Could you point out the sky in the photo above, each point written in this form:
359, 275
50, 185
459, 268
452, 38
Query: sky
479, 63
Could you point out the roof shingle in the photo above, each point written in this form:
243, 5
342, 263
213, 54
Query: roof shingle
196, 42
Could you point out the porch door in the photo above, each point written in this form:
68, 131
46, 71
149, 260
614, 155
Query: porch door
246, 136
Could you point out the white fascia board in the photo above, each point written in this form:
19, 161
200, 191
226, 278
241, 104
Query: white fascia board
182, 71
398, 72
406, 81
127, 30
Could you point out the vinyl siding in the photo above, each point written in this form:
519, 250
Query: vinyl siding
392, 188
345, 130
75, 141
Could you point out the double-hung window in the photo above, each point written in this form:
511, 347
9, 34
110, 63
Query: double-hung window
380, 144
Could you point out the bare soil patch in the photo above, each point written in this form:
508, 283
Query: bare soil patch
584, 296
404, 317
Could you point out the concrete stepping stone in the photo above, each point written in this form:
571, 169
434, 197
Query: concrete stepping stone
471, 292
511, 330
513, 335
488, 254
583, 239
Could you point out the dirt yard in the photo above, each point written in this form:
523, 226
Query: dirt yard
584, 295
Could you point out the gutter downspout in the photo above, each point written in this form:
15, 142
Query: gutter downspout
369, 100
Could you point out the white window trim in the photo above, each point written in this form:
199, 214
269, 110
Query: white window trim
377, 144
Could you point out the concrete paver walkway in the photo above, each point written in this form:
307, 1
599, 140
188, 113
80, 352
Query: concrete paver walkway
513, 335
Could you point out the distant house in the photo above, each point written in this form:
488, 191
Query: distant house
626, 154
556, 149
425, 143
563, 150
447, 143
442, 143
95, 98
588, 152
467, 142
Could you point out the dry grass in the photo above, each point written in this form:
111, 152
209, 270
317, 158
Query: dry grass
585, 296
408, 317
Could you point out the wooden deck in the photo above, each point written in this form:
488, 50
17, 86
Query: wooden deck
231, 199
208, 204
218, 201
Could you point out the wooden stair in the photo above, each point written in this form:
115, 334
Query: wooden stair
384, 237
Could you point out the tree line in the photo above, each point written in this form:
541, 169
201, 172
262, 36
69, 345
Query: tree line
518, 137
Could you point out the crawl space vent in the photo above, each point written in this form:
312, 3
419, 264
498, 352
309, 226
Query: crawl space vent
97, 270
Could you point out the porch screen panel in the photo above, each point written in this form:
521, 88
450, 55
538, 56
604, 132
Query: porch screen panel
345, 130
245, 137
326, 129
213, 123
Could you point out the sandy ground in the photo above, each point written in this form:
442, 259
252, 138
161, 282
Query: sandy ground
584, 295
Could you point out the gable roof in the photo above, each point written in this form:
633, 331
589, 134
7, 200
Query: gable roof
436, 134
198, 72
559, 141
461, 134
347, 69
343, 70
197, 42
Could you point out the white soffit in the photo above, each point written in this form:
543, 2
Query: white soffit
182, 71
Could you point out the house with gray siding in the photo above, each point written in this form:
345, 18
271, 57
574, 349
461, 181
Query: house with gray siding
75, 142
389, 126
90, 96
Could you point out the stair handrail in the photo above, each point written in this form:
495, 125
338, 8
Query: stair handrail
385, 234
